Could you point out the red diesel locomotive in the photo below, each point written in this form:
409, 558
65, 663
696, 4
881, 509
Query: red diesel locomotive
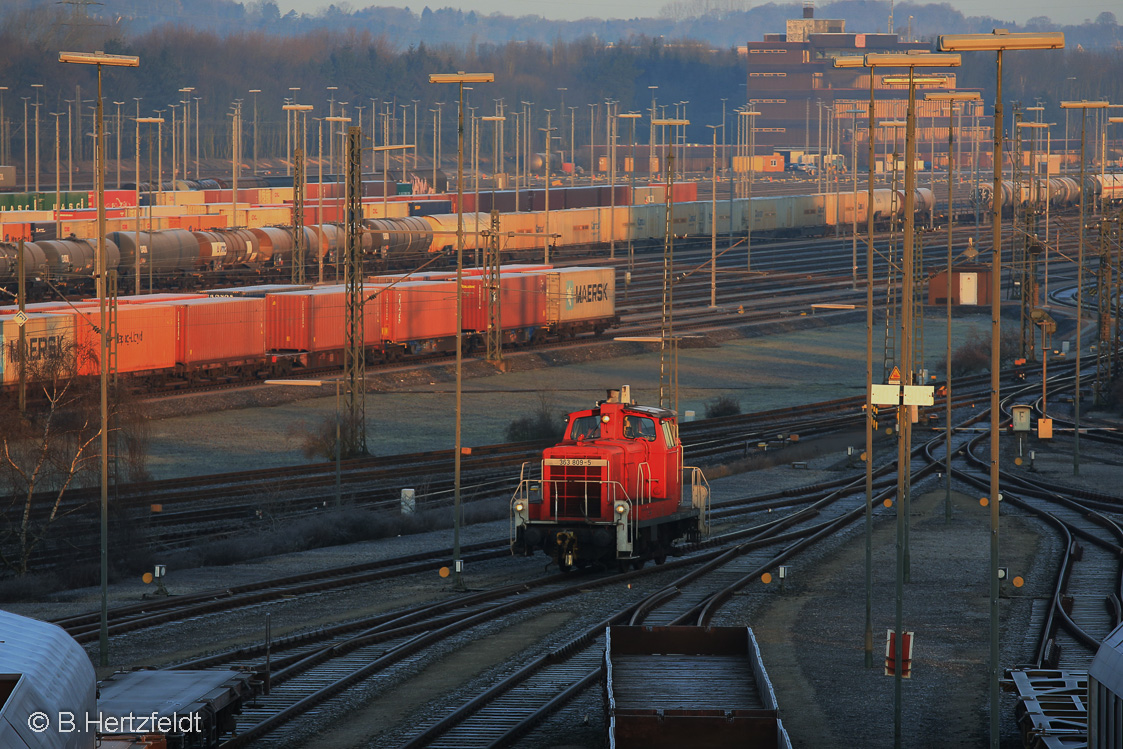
611, 490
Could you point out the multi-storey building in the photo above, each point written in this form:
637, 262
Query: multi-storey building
808, 105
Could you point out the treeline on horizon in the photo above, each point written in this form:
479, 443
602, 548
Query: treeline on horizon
364, 65
721, 24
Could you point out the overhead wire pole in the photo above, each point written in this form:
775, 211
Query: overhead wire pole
459, 78
713, 221
998, 41
354, 355
751, 114
1118, 276
857, 62
491, 256
904, 416
99, 59
633, 116
666, 341
298, 182
951, 98
1083, 106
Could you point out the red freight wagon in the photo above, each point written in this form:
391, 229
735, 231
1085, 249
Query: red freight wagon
145, 337
223, 330
522, 301
420, 314
315, 320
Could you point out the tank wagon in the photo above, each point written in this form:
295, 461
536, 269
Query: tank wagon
178, 258
612, 491
1063, 192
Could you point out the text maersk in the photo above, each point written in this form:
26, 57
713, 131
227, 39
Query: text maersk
591, 292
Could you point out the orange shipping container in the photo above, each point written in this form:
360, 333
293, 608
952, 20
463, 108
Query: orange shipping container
145, 338
14, 232
314, 320
522, 301
223, 329
420, 311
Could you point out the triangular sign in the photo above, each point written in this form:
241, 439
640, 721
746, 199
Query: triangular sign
895, 376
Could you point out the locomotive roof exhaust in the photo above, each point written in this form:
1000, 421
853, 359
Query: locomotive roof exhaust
621, 395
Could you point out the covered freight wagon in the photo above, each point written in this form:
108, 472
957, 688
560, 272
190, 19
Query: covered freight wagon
698, 687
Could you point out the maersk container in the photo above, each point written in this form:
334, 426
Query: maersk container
144, 333
47, 335
578, 293
522, 301
314, 320
213, 330
419, 312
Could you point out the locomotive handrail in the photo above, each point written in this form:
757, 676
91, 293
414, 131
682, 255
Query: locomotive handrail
700, 497
643, 469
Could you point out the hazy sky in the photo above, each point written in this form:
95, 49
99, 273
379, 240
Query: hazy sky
1017, 10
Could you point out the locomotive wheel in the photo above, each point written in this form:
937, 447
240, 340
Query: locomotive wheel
638, 562
659, 554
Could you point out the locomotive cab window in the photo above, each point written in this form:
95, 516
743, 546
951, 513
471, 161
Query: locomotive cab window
585, 428
670, 434
638, 427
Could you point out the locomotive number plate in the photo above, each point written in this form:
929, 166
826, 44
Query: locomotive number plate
575, 462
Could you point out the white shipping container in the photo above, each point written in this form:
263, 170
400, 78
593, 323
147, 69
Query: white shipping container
578, 293
46, 335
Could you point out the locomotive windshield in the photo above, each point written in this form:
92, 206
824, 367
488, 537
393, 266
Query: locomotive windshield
585, 428
637, 427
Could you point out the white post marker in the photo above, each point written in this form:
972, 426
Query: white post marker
896, 394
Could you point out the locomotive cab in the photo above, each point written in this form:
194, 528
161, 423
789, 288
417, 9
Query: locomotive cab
612, 489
